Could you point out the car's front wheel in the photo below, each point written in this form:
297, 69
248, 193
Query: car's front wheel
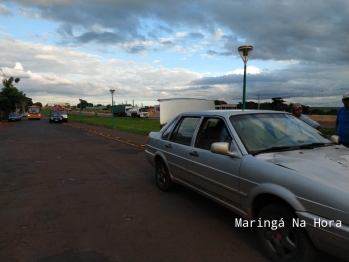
283, 241
162, 176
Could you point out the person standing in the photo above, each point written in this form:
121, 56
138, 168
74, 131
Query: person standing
342, 121
297, 111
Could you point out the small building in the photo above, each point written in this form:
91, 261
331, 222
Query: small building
226, 106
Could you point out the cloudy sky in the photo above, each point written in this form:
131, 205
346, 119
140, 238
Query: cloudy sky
146, 50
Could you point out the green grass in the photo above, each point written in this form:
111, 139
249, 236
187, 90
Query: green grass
327, 131
133, 125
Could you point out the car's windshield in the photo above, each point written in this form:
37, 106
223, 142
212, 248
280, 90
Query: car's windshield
259, 132
13, 114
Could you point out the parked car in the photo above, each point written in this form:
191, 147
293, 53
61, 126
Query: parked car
285, 179
14, 117
64, 115
55, 117
25, 114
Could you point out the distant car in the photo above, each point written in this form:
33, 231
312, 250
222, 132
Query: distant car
64, 115
14, 117
25, 114
283, 178
55, 117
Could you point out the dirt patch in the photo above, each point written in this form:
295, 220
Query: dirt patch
324, 121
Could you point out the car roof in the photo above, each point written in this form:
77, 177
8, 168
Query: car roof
228, 113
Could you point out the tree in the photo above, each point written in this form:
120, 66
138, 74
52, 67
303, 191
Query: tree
219, 102
10, 97
332, 111
278, 104
83, 103
38, 104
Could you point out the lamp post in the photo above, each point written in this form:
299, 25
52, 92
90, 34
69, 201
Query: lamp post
245, 52
80, 108
112, 108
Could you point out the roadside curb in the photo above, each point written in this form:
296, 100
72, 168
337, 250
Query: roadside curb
105, 132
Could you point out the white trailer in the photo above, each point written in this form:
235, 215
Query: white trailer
138, 112
170, 108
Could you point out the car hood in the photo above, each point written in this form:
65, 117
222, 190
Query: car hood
326, 165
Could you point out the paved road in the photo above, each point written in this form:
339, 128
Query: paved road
76, 193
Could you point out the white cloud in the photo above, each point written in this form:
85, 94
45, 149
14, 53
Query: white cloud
77, 74
4, 11
218, 35
249, 70
181, 34
18, 66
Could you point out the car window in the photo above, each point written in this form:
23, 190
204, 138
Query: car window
184, 130
212, 130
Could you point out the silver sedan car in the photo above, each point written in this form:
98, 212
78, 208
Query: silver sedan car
284, 179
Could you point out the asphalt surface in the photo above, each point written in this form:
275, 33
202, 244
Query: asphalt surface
74, 193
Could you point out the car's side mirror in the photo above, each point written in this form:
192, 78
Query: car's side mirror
222, 148
335, 139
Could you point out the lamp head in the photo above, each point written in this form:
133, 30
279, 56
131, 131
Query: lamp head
245, 52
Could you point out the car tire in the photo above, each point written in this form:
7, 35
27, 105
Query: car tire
285, 243
162, 176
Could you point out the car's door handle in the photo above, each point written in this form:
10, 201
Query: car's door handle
193, 153
168, 146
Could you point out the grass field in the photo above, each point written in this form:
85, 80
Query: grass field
133, 125
136, 125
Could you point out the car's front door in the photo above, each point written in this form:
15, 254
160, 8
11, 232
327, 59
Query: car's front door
215, 174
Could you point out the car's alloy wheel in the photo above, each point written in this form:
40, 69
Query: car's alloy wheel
284, 243
162, 176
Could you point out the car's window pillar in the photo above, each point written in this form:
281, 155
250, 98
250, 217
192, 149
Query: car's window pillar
168, 129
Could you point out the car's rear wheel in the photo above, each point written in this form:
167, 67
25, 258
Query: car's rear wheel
283, 242
162, 176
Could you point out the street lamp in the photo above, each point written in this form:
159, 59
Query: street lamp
80, 108
112, 108
245, 52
